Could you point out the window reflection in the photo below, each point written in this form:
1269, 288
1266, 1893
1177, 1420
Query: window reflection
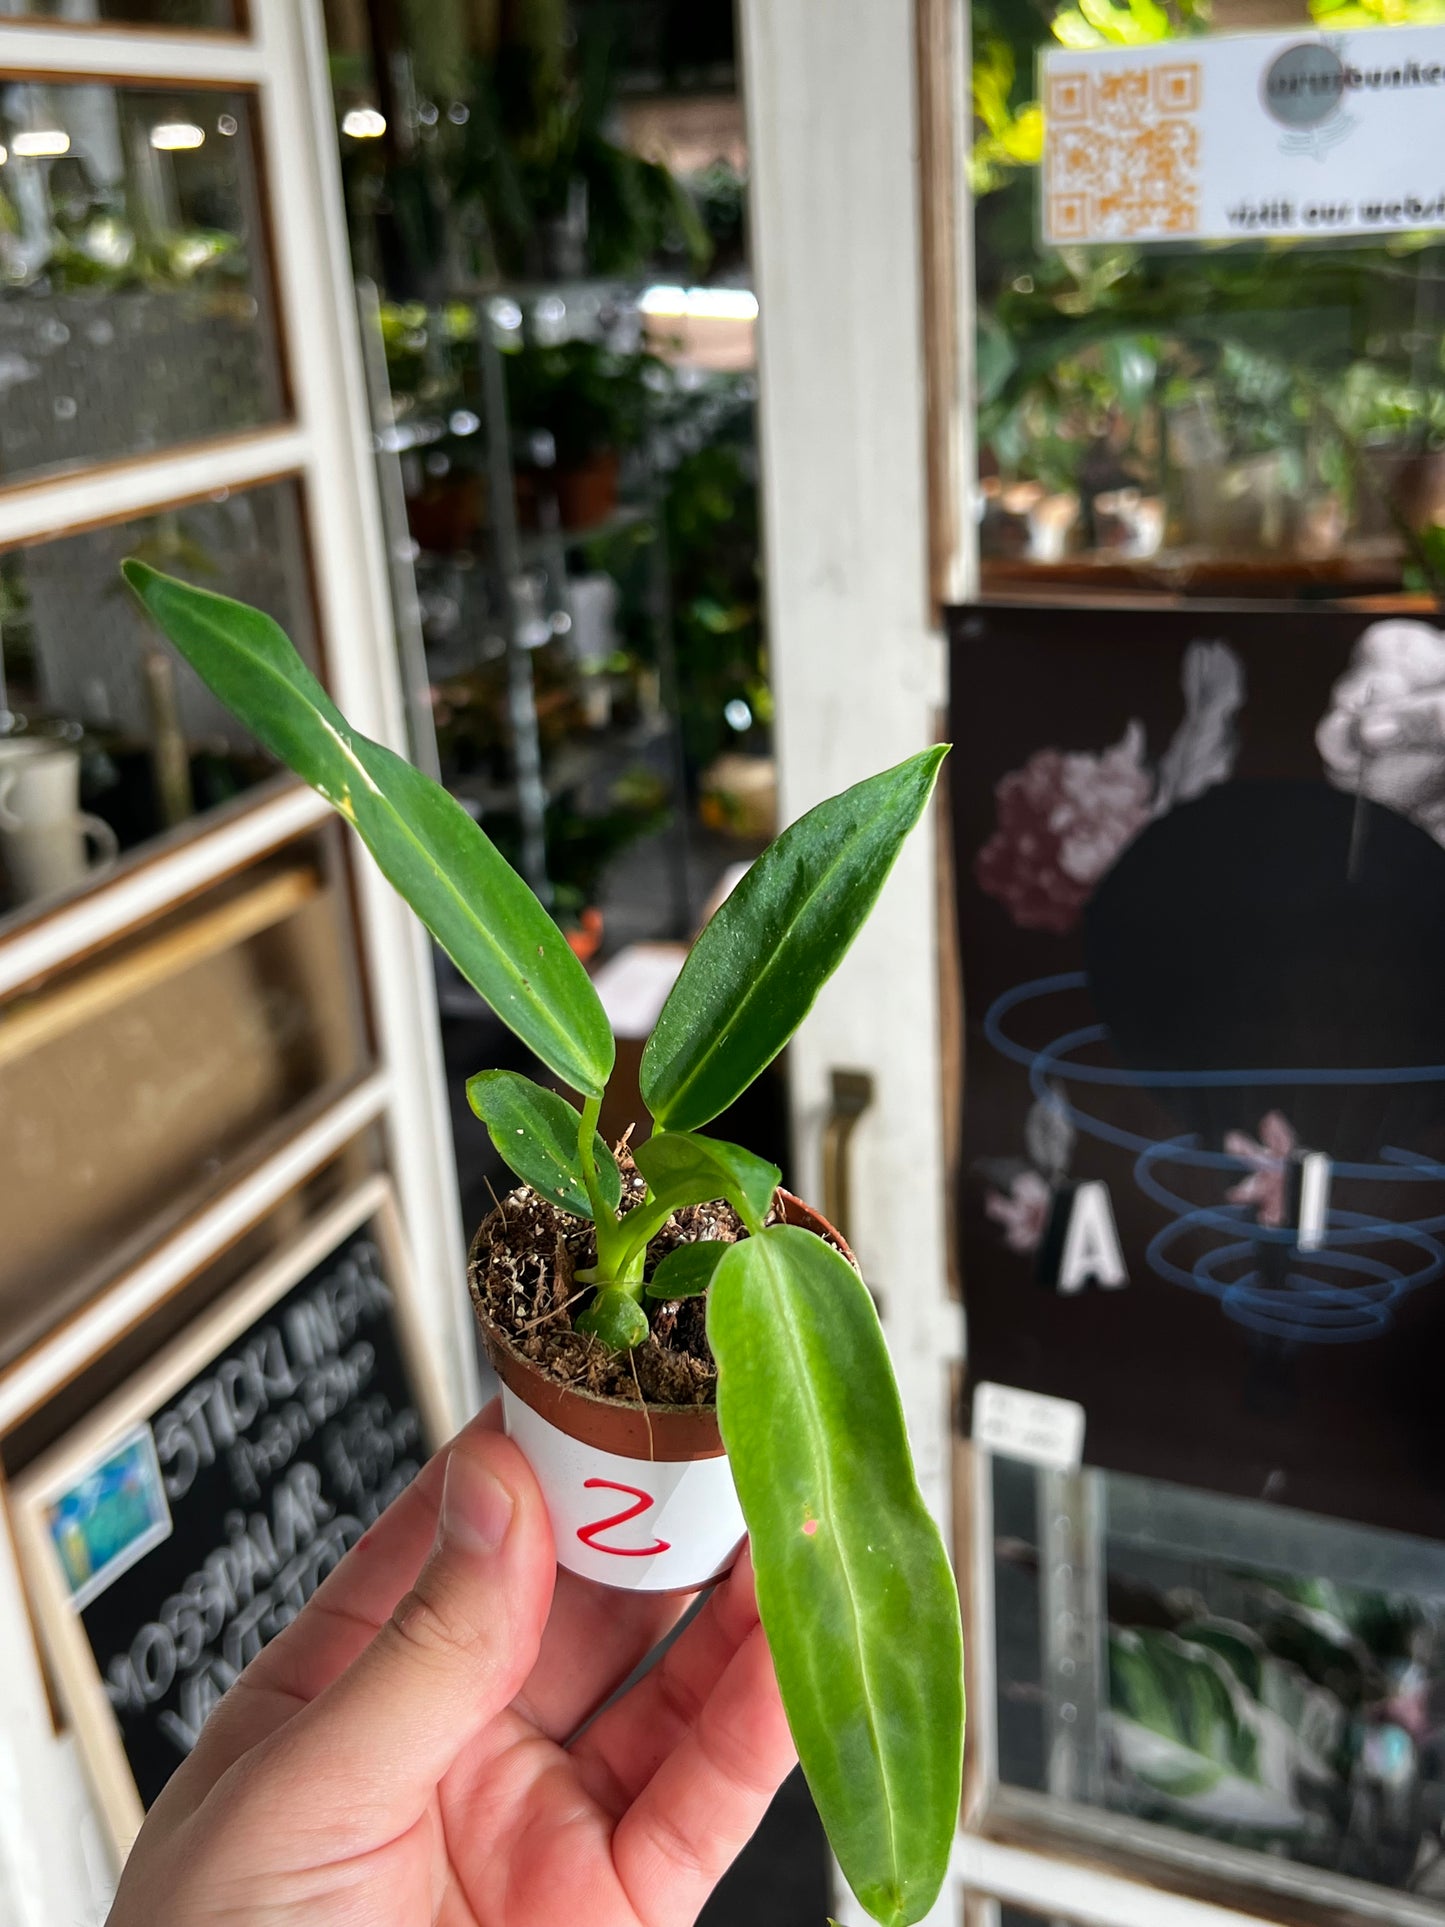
135, 312
107, 738
1245, 419
137, 1085
1235, 1672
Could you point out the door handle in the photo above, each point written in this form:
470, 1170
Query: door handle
852, 1093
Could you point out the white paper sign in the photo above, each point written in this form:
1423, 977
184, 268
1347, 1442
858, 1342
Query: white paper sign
640, 1524
1247, 136
1027, 1425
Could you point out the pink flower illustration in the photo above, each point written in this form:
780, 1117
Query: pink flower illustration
1265, 1186
1062, 822
1023, 1212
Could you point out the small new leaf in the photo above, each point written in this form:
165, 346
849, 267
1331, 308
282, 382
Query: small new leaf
535, 1132
687, 1271
751, 977
616, 1318
695, 1170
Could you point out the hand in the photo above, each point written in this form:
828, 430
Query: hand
397, 1757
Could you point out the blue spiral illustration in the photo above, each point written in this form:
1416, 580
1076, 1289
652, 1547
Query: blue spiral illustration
1340, 1291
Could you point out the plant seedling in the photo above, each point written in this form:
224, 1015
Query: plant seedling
854, 1588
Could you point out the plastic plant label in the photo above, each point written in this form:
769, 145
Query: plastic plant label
644, 1525
1028, 1425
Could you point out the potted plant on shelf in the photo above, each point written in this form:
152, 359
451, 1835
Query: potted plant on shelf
593, 402
687, 1351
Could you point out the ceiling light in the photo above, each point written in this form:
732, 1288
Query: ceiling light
364, 124
44, 145
4, 153
173, 136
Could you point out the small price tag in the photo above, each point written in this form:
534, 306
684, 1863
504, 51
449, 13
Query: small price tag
1029, 1425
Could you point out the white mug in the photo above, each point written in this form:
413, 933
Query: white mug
43, 830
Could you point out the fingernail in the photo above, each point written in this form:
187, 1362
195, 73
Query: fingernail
476, 1508
1379, 730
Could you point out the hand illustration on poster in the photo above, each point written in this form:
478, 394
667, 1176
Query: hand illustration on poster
1201, 876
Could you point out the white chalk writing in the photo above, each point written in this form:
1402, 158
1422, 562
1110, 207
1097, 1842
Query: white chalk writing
299, 1357
289, 1417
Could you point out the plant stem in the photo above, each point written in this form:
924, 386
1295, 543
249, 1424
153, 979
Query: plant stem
611, 1256
643, 1225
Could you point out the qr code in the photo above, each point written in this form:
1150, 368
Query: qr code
1123, 153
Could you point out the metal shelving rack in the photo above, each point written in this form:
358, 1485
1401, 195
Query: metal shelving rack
512, 556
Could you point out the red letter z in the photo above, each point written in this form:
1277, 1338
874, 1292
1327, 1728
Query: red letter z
588, 1534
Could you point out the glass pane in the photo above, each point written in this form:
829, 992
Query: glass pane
134, 1086
1265, 1679
1260, 418
135, 311
139, 13
107, 739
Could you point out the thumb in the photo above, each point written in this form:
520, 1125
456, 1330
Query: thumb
455, 1652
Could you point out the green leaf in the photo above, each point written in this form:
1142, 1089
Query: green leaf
536, 1133
854, 1586
688, 1270
616, 1318
697, 1169
463, 889
751, 977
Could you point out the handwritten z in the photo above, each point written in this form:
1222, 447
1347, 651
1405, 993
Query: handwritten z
645, 1503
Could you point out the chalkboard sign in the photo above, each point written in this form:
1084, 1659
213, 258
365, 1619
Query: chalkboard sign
192, 1517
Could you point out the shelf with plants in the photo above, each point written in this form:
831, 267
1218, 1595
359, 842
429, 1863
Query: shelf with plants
542, 445
576, 771
1261, 418
620, 470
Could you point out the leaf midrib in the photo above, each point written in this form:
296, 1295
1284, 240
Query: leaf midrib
789, 1325
768, 968
510, 970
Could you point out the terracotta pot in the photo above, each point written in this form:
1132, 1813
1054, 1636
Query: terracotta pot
641, 1497
587, 492
447, 513
586, 940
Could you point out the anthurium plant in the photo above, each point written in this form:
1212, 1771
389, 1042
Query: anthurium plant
854, 1588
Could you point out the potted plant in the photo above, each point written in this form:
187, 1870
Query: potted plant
774, 1353
593, 402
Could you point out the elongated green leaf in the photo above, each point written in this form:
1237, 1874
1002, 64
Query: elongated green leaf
616, 1318
688, 1270
705, 1168
536, 1133
752, 975
463, 889
854, 1586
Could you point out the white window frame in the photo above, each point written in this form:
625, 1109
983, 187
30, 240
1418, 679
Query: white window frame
326, 447
53, 1864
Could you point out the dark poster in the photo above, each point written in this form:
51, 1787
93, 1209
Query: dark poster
1200, 860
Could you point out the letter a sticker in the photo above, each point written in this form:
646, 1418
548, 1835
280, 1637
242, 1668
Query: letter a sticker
1091, 1244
